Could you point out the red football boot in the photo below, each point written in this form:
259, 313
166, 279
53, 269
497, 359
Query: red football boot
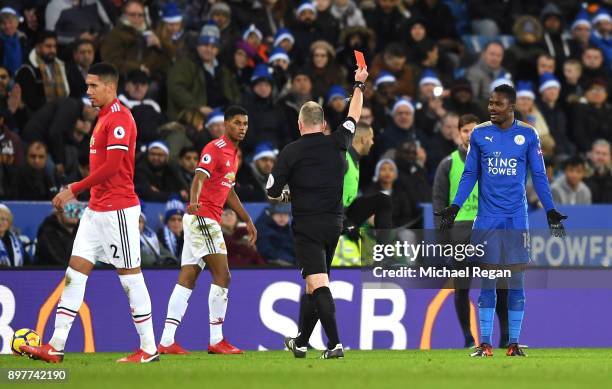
140, 357
484, 350
174, 348
45, 352
224, 347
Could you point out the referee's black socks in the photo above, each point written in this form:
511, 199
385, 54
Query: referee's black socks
308, 319
326, 309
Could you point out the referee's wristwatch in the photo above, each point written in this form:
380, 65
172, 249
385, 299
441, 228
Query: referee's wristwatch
360, 85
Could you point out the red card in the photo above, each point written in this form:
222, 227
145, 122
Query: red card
360, 59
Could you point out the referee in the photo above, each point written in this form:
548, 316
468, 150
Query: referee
313, 167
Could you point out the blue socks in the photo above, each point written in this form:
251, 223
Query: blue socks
516, 307
486, 313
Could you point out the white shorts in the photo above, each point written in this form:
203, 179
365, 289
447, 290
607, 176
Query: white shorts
111, 237
203, 237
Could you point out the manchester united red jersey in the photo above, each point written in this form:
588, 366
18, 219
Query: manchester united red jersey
115, 129
219, 161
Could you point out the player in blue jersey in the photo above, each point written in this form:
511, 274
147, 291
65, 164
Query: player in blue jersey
500, 153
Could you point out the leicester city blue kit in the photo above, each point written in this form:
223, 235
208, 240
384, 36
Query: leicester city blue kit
499, 160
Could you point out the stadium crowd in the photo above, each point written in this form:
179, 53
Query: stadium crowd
183, 62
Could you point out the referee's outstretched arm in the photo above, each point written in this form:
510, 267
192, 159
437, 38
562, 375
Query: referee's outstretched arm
345, 133
354, 112
313, 123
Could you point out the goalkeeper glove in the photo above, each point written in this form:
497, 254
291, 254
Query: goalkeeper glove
555, 224
447, 216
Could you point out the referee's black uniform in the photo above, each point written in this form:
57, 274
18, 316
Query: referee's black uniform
314, 167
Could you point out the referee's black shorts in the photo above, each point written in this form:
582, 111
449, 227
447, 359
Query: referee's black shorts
315, 239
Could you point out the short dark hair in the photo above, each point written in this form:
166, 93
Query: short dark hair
187, 149
423, 48
492, 42
507, 90
104, 70
79, 42
545, 55
42, 36
468, 118
395, 50
593, 47
234, 110
574, 161
37, 144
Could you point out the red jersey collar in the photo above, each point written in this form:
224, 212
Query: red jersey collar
229, 143
106, 109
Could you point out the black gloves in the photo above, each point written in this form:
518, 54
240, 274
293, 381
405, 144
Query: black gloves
554, 223
448, 216
350, 230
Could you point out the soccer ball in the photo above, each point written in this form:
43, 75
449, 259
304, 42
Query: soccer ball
24, 336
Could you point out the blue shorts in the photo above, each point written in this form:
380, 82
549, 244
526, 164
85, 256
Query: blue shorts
505, 240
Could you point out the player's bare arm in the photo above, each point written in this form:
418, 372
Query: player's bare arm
194, 193
236, 205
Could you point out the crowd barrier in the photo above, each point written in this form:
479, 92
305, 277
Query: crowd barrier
28, 215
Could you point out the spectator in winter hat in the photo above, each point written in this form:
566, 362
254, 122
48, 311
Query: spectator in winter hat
171, 32
171, 235
335, 105
279, 60
554, 114
200, 80
155, 179
274, 237
266, 120
580, 33
308, 29
252, 178
221, 14
284, 39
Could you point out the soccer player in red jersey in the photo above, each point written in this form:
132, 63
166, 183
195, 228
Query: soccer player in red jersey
108, 231
211, 188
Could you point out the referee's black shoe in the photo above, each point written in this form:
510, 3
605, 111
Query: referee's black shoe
298, 352
335, 353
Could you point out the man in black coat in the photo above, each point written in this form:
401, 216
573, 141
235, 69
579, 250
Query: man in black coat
154, 178
387, 21
31, 182
252, 178
146, 112
591, 121
266, 121
64, 125
56, 235
600, 182
83, 55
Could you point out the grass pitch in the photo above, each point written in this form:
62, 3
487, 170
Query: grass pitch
558, 368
